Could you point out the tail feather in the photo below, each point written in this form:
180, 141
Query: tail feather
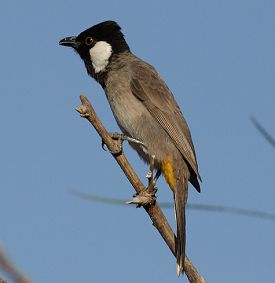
179, 198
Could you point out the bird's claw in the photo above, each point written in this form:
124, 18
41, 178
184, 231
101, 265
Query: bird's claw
103, 145
145, 197
120, 138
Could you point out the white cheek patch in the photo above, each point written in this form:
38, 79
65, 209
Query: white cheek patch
100, 54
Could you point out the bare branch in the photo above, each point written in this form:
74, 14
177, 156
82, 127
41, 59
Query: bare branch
11, 270
192, 206
263, 131
159, 220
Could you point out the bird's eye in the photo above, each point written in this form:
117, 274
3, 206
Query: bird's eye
88, 41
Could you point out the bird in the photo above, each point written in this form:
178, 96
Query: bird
145, 110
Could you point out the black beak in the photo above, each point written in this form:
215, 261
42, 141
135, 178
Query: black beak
69, 41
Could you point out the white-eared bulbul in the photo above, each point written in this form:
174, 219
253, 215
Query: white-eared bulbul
145, 109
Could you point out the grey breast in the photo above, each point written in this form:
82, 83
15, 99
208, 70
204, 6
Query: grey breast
132, 116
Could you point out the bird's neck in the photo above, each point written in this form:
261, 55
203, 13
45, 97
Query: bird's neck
116, 61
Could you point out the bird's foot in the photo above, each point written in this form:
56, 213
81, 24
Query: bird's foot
120, 138
145, 197
148, 195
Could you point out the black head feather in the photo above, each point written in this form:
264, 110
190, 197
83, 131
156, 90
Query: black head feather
108, 31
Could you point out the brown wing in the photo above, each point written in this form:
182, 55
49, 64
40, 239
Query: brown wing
148, 87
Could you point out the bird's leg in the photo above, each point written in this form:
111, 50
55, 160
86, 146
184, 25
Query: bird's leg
120, 138
149, 176
157, 176
147, 196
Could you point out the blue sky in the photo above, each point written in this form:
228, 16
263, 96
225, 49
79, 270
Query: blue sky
218, 59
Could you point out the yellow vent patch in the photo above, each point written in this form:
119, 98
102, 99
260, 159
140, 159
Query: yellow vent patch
168, 172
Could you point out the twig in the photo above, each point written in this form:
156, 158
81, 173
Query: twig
263, 131
159, 220
192, 206
11, 270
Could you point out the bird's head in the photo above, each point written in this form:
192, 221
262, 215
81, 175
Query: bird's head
96, 45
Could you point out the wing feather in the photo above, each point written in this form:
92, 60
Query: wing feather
148, 87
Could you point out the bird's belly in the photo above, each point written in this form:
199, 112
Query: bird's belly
136, 121
127, 112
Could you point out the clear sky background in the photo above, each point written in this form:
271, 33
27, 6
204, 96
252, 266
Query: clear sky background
218, 59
